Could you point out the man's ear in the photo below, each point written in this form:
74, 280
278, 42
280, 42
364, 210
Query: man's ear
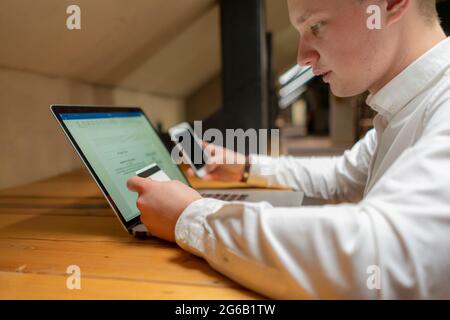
395, 10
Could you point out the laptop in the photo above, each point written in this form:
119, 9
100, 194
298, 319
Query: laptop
116, 142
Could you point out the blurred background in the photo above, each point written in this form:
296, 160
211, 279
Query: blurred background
230, 63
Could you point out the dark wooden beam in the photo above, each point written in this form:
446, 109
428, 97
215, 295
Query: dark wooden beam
244, 66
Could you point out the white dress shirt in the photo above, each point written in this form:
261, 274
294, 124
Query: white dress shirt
390, 236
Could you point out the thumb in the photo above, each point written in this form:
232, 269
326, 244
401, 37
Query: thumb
136, 184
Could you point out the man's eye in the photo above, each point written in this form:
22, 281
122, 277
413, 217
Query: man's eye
315, 28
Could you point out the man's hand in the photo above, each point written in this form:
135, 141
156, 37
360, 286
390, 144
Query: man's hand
161, 204
223, 164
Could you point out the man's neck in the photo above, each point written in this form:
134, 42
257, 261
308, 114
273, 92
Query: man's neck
413, 45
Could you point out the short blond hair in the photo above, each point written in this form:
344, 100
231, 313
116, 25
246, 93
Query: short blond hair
428, 8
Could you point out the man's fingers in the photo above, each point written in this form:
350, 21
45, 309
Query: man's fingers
205, 144
190, 172
208, 177
210, 167
137, 184
212, 177
209, 148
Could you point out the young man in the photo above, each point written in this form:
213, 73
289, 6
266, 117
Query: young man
393, 239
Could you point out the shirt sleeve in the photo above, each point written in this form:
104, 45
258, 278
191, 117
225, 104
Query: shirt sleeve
398, 234
340, 178
282, 253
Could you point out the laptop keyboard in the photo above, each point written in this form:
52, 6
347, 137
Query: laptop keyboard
226, 196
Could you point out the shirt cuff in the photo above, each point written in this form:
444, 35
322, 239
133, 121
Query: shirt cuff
262, 169
191, 232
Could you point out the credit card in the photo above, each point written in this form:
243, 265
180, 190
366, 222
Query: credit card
153, 172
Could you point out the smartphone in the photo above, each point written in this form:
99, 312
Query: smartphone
191, 147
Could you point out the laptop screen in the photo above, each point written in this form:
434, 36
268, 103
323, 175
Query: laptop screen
116, 145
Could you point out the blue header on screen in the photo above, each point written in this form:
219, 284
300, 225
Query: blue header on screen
99, 115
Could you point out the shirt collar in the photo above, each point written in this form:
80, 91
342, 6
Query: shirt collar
397, 93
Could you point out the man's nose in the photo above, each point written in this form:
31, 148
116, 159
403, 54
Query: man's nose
306, 55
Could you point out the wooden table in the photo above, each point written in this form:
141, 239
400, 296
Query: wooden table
49, 225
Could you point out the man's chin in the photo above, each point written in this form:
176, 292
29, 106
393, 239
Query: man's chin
345, 92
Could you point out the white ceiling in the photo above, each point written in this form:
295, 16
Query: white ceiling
159, 46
